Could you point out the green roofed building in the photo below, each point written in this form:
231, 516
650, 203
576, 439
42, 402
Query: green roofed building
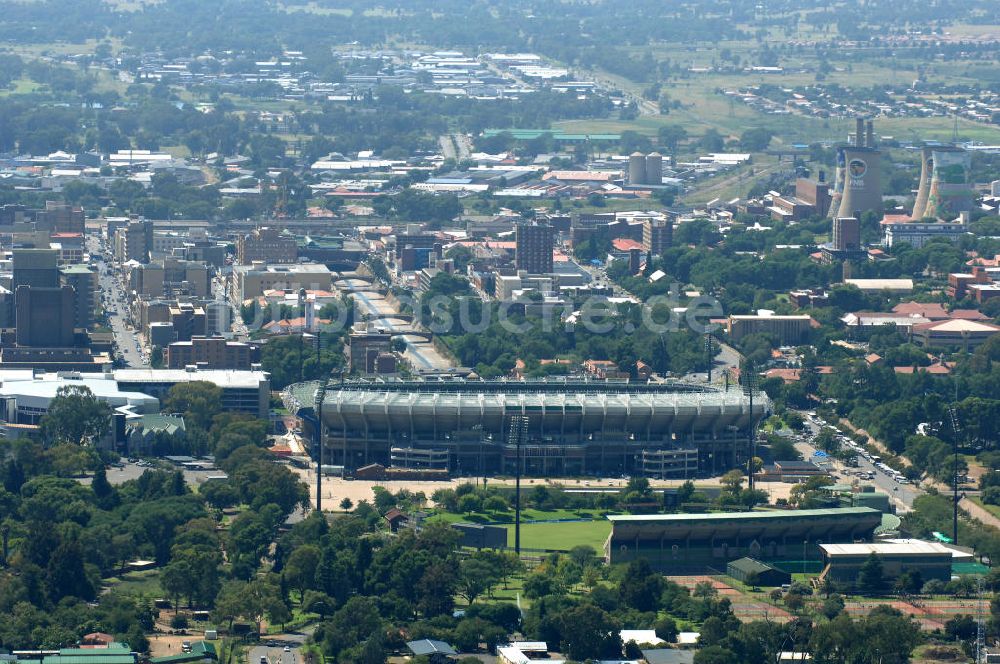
769, 576
696, 543
115, 653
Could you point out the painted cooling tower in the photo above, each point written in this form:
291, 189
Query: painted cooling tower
637, 168
654, 168
862, 182
923, 189
838, 185
949, 193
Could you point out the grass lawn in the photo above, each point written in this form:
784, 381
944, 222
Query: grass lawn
145, 583
561, 536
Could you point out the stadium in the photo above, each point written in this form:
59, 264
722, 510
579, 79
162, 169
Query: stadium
564, 427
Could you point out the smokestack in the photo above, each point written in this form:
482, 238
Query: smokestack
870, 134
859, 133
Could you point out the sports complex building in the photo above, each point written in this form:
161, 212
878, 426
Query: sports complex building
563, 426
699, 542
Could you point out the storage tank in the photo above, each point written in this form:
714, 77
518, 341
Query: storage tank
654, 168
637, 168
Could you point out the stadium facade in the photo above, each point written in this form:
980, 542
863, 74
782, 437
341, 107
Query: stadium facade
564, 427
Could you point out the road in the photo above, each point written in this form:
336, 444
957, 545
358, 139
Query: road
902, 495
455, 146
272, 651
114, 303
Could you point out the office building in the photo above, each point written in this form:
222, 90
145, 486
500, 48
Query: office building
898, 229
83, 280
965, 334
846, 234
250, 281
364, 349
787, 330
134, 241
267, 245
35, 267
208, 353
187, 319
534, 248
242, 391
657, 236
45, 316
60, 218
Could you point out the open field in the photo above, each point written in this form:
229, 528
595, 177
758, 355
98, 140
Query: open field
145, 583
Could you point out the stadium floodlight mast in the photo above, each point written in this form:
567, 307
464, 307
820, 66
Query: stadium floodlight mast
748, 381
318, 409
518, 431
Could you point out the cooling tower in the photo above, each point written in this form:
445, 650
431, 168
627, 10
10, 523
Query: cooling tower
860, 181
923, 189
950, 192
637, 168
654, 168
838, 185
862, 184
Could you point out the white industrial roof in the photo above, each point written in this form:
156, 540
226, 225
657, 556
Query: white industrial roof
221, 377
39, 392
897, 547
640, 636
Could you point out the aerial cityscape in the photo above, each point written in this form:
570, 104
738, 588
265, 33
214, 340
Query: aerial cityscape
344, 331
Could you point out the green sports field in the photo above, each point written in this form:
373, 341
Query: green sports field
562, 536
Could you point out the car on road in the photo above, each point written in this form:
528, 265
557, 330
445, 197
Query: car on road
287, 649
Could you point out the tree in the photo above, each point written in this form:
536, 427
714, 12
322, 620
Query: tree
198, 401
300, 570
476, 575
833, 606
870, 577
346, 504
640, 588
716, 655
75, 416
752, 579
589, 632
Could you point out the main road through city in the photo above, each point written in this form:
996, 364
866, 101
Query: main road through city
113, 301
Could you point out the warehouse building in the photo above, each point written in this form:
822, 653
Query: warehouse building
696, 543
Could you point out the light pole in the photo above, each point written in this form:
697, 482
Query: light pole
318, 408
748, 379
518, 430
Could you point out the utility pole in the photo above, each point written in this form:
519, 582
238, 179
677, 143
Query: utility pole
708, 357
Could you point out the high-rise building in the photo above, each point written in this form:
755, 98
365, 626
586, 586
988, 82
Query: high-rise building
657, 235
533, 253
83, 280
134, 241
35, 267
846, 234
45, 316
208, 353
60, 218
268, 245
